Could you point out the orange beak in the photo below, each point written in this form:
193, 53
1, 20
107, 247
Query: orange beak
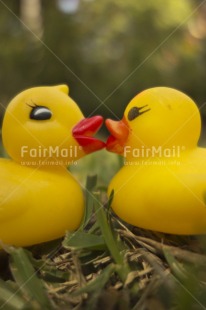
119, 133
84, 131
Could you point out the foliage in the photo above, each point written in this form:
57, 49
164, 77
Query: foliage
105, 265
107, 51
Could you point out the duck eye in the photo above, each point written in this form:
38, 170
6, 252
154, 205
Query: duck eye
40, 113
135, 111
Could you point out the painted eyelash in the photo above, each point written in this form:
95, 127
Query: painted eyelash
33, 106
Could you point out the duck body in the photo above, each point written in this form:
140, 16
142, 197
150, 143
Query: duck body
165, 195
43, 132
162, 185
37, 204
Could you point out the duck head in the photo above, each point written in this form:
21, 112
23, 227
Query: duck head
157, 117
43, 125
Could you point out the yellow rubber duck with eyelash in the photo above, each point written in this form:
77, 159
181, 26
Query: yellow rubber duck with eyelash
162, 186
43, 132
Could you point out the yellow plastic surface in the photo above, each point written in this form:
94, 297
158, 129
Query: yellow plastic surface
163, 190
39, 202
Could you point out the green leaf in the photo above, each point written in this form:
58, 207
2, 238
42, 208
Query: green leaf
110, 240
25, 276
97, 284
175, 266
189, 285
55, 276
83, 240
111, 197
9, 297
108, 206
48, 273
90, 185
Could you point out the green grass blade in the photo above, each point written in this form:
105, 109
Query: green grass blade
9, 298
110, 241
83, 240
90, 185
98, 284
175, 266
95, 287
189, 287
48, 272
25, 276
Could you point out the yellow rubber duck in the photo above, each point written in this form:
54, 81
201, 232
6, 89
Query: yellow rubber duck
43, 132
162, 185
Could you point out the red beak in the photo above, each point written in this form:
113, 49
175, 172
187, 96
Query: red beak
119, 133
84, 131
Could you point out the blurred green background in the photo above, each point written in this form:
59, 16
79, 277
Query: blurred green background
105, 50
